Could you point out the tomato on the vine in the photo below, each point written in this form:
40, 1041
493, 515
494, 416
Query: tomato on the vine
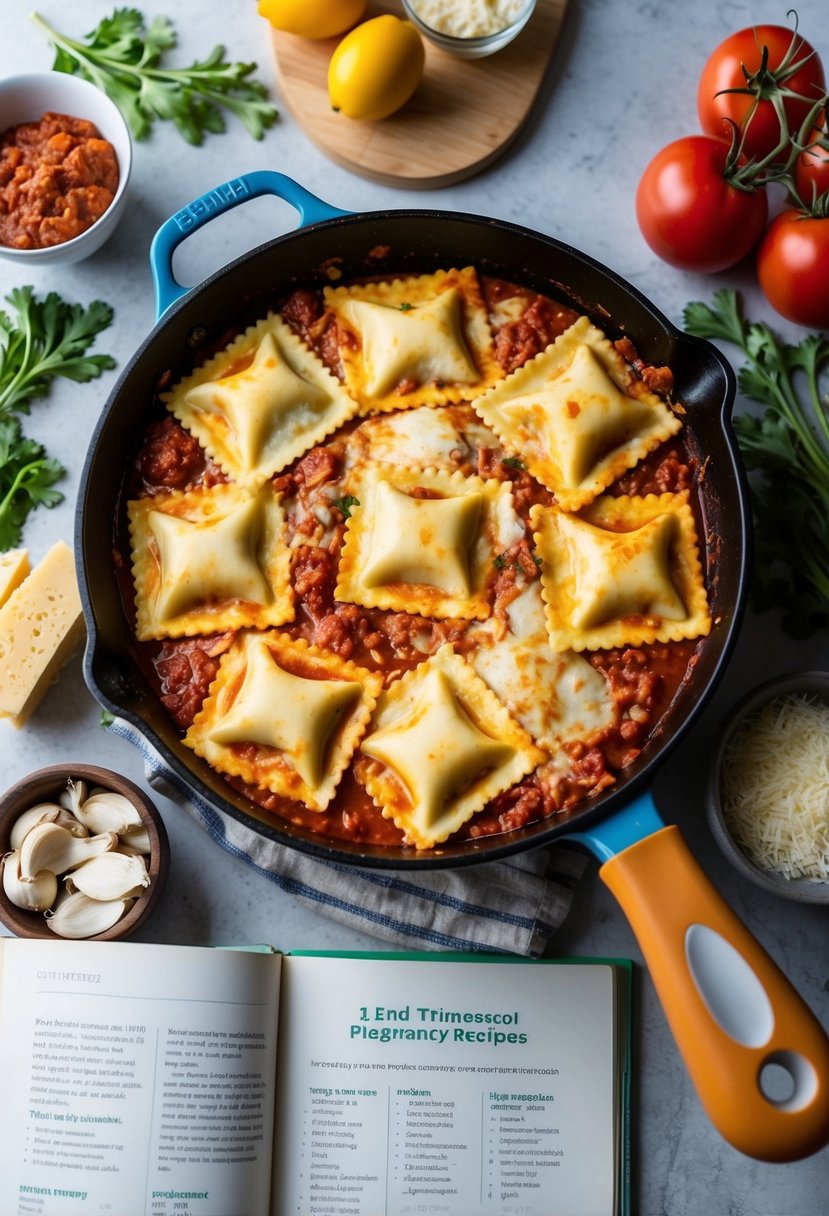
742, 62
689, 212
793, 268
811, 169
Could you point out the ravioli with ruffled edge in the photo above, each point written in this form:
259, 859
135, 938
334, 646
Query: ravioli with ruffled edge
448, 736
423, 541
415, 341
441, 745
623, 572
261, 402
577, 416
205, 560
285, 716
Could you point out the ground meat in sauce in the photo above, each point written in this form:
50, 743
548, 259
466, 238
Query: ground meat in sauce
642, 681
57, 178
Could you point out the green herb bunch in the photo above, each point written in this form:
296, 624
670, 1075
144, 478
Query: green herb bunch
786, 453
41, 340
123, 57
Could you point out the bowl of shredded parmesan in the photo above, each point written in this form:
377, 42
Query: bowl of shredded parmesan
768, 797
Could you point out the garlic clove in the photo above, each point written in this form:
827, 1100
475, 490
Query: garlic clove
111, 876
106, 811
67, 820
135, 840
35, 895
79, 916
43, 812
49, 847
73, 795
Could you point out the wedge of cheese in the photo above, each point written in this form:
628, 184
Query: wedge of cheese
14, 567
41, 623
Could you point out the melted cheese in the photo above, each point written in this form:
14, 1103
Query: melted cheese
423, 555
413, 341
423, 437
442, 746
208, 560
775, 787
304, 727
555, 697
625, 572
576, 415
253, 422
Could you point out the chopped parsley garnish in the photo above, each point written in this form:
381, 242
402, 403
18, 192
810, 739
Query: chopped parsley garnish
404, 307
513, 463
345, 504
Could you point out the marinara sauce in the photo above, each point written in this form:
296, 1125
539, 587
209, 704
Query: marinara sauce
57, 177
642, 680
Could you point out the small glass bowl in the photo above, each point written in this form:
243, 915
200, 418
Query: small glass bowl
471, 48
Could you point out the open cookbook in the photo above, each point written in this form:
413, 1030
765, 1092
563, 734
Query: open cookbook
143, 1080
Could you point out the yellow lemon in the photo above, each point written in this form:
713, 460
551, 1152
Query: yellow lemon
313, 18
376, 68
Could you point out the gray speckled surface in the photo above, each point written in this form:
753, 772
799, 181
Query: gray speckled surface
618, 90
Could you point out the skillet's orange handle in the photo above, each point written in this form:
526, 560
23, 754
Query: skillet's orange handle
731, 1010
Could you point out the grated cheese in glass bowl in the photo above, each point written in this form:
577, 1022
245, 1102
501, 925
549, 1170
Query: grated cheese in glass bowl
768, 798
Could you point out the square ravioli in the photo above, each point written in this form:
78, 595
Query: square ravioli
209, 559
577, 416
260, 403
285, 716
424, 541
416, 341
623, 572
440, 746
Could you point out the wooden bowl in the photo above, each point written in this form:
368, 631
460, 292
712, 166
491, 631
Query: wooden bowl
44, 785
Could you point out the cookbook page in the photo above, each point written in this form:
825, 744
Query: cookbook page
137, 1080
465, 1088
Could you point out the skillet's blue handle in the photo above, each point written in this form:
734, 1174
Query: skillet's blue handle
215, 202
611, 835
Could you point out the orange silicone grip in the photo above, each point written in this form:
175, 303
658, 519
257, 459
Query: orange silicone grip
671, 905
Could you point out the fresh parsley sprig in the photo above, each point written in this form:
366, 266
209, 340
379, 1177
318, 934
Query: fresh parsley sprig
47, 338
41, 340
26, 477
123, 57
786, 448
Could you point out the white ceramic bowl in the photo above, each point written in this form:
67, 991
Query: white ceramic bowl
471, 48
25, 99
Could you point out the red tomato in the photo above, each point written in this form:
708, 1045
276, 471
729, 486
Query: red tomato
793, 268
690, 215
724, 70
811, 169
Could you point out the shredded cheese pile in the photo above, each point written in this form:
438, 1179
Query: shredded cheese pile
775, 787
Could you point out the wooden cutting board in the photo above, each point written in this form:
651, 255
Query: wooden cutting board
463, 115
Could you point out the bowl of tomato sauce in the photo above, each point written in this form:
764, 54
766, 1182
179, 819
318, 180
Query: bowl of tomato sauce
65, 158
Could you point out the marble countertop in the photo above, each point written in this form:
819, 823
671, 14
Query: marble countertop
617, 91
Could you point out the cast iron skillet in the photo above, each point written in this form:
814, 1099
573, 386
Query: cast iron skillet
730, 1009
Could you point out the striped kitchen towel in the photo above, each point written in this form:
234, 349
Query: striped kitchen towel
505, 907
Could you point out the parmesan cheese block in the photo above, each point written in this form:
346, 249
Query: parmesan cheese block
40, 625
14, 566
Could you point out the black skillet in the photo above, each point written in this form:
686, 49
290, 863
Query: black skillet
731, 1010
